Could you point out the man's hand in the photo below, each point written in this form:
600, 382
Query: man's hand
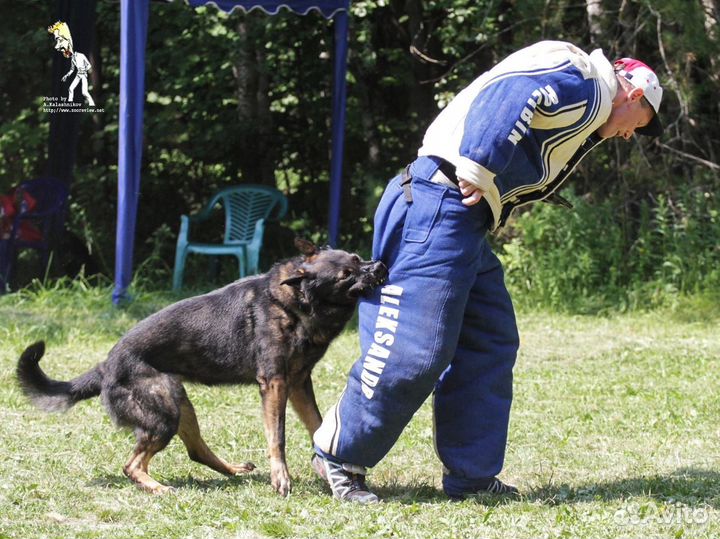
65, 77
471, 192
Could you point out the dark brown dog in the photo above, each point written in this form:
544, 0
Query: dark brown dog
269, 329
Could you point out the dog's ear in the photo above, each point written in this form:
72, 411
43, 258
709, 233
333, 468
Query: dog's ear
306, 247
299, 282
296, 279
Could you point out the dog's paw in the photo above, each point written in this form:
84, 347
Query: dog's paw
237, 469
161, 489
280, 481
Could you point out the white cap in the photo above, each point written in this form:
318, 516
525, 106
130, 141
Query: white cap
641, 76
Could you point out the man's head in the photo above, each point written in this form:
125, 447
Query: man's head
637, 102
63, 40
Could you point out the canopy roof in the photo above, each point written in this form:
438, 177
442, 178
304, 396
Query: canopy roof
328, 8
133, 38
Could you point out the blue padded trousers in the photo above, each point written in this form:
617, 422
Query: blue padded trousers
443, 321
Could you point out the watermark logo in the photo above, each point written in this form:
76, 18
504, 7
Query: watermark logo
643, 513
80, 67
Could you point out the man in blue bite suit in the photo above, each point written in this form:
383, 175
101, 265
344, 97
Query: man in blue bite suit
444, 322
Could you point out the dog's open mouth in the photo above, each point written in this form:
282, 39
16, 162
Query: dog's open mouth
374, 274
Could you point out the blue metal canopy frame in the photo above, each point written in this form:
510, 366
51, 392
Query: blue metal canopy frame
134, 16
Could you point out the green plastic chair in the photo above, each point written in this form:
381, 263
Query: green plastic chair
247, 209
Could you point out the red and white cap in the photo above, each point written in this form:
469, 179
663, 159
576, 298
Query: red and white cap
641, 76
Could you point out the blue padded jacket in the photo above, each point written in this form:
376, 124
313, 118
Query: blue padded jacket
518, 130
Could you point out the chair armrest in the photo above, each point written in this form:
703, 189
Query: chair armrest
202, 215
279, 210
187, 220
38, 214
205, 213
257, 239
55, 209
184, 232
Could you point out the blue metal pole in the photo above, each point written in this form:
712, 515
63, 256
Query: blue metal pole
133, 38
338, 125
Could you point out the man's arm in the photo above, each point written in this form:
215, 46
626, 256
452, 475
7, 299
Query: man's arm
472, 193
86, 64
501, 116
72, 68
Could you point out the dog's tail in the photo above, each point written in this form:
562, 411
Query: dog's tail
53, 395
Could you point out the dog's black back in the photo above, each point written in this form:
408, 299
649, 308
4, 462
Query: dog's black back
230, 335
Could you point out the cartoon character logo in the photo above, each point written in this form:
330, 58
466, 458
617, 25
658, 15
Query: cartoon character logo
78, 61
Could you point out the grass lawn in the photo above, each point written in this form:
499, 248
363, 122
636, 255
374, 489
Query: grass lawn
614, 433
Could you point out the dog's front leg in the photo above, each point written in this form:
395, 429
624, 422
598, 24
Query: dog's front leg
302, 398
274, 393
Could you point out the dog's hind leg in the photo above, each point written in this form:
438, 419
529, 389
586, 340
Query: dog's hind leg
189, 432
136, 468
147, 401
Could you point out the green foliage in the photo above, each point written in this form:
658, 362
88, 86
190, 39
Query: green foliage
247, 98
593, 257
22, 139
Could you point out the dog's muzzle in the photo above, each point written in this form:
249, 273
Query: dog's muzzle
378, 270
372, 275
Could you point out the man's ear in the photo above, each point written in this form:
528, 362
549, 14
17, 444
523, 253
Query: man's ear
306, 247
636, 94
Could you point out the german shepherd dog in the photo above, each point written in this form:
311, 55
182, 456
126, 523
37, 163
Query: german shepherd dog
269, 329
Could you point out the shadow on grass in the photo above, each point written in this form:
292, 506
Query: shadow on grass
313, 485
410, 494
419, 493
690, 486
188, 482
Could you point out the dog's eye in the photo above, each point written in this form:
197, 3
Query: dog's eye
344, 274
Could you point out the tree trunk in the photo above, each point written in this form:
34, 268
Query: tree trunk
420, 96
712, 16
64, 127
62, 142
595, 13
255, 123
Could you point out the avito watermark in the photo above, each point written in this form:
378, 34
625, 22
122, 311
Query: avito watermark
636, 513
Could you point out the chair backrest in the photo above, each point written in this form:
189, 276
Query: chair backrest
245, 205
49, 193
46, 216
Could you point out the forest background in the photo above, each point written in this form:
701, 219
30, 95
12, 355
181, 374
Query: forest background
246, 98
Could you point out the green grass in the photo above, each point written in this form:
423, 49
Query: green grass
614, 433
